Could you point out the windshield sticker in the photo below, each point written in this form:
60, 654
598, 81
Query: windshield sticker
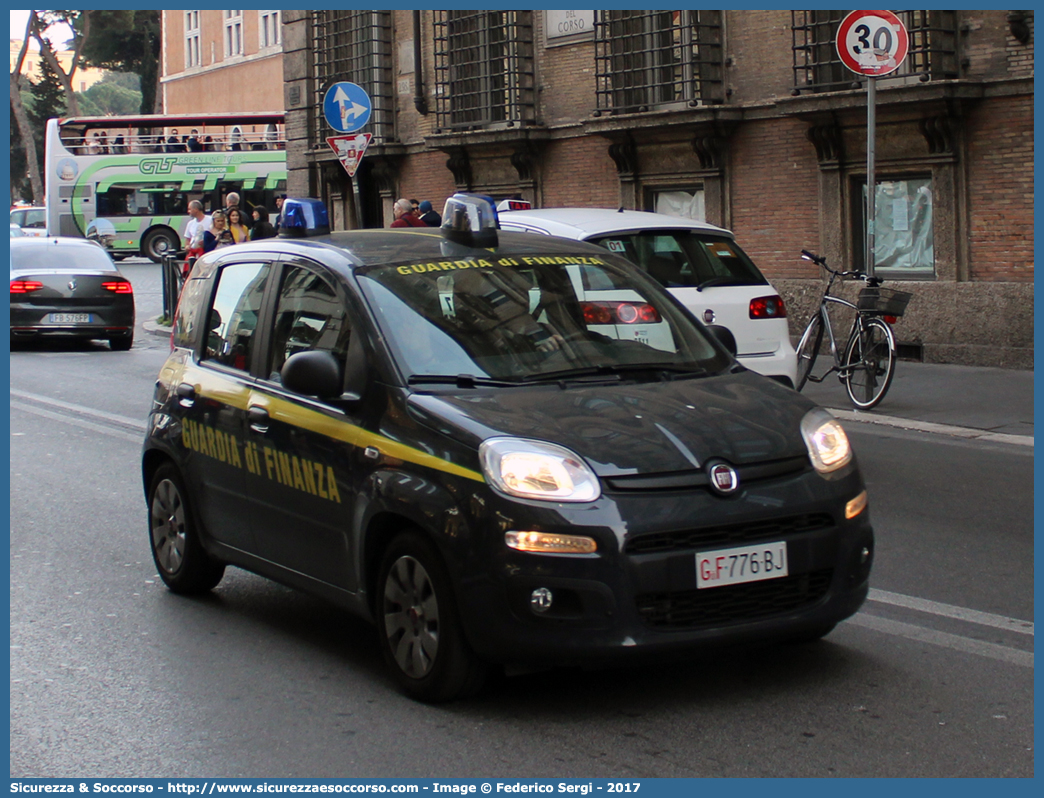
722, 250
615, 246
454, 265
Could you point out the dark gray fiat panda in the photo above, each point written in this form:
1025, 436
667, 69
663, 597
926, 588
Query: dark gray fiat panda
503, 449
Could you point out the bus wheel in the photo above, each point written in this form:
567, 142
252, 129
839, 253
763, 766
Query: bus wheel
158, 243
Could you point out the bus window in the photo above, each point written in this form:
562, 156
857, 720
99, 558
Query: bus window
142, 200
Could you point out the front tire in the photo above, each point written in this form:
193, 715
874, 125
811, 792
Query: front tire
808, 350
869, 363
419, 626
183, 563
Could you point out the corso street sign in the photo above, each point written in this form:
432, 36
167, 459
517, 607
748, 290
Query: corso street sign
346, 107
872, 43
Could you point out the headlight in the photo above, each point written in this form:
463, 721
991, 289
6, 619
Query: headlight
826, 441
537, 470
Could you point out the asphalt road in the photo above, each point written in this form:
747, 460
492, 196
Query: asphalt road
112, 675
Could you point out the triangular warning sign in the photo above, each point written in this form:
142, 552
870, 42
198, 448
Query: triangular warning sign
350, 149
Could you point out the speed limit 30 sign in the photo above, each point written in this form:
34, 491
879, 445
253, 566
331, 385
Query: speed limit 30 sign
872, 43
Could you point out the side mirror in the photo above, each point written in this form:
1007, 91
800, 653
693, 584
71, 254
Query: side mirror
724, 336
314, 373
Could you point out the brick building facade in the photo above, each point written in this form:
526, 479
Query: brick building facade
221, 61
749, 114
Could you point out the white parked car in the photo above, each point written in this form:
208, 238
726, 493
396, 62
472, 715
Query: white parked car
33, 221
700, 264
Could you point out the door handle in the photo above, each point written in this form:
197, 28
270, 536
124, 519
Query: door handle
257, 418
186, 394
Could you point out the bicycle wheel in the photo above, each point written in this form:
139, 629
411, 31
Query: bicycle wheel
869, 363
808, 349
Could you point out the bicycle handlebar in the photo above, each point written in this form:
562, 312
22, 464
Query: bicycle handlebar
856, 275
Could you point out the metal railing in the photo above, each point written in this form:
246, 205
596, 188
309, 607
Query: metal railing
650, 59
173, 270
483, 69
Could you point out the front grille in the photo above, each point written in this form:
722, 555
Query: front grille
728, 534
696, 609
684, 480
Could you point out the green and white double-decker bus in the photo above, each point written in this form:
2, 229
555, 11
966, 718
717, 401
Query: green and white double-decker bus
126, 181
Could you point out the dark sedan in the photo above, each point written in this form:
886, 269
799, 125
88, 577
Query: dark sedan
69, 287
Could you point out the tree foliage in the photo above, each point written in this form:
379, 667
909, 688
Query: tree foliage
79, 22
28, 162
46, 101
126, 40
109, 99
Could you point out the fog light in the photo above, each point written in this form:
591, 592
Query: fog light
856, 506
550, 543
540, 600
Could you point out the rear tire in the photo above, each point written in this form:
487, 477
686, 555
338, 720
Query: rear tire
871, 355
183, 563
121, 344
808, 350
419, 626
158, 243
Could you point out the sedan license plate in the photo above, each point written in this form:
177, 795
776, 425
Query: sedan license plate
70, 318
744, 564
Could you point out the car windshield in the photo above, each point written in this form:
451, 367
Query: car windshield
528, 318
685, 258
49, 255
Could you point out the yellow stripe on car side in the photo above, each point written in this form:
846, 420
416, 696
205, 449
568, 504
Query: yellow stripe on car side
217, 388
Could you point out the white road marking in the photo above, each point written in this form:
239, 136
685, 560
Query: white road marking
929, 426
77, 422
1013, 656
950, 611
133, 423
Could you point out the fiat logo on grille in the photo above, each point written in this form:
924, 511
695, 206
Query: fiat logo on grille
723, 478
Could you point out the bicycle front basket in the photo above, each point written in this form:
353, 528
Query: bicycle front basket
883, 301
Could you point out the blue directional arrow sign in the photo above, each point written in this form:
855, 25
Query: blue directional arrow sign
347, 107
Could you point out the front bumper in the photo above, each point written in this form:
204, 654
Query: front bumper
638, 594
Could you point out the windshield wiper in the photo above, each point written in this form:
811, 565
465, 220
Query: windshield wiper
616, 370
713, 281
460, 380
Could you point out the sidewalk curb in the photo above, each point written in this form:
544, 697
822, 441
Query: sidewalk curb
155, 329
929, 426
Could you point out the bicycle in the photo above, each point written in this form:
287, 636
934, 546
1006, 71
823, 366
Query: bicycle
868, 364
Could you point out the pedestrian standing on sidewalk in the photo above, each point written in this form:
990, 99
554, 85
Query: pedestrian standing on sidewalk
262, 227
404, 216
237, 225
198, 224
429, 215
277, 220
218, 235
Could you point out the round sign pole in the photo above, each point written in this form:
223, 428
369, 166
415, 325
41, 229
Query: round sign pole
872, 43
871, 177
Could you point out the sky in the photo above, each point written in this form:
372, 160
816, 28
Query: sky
19, 20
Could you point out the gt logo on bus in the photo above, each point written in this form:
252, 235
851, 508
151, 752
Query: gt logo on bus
157, 166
